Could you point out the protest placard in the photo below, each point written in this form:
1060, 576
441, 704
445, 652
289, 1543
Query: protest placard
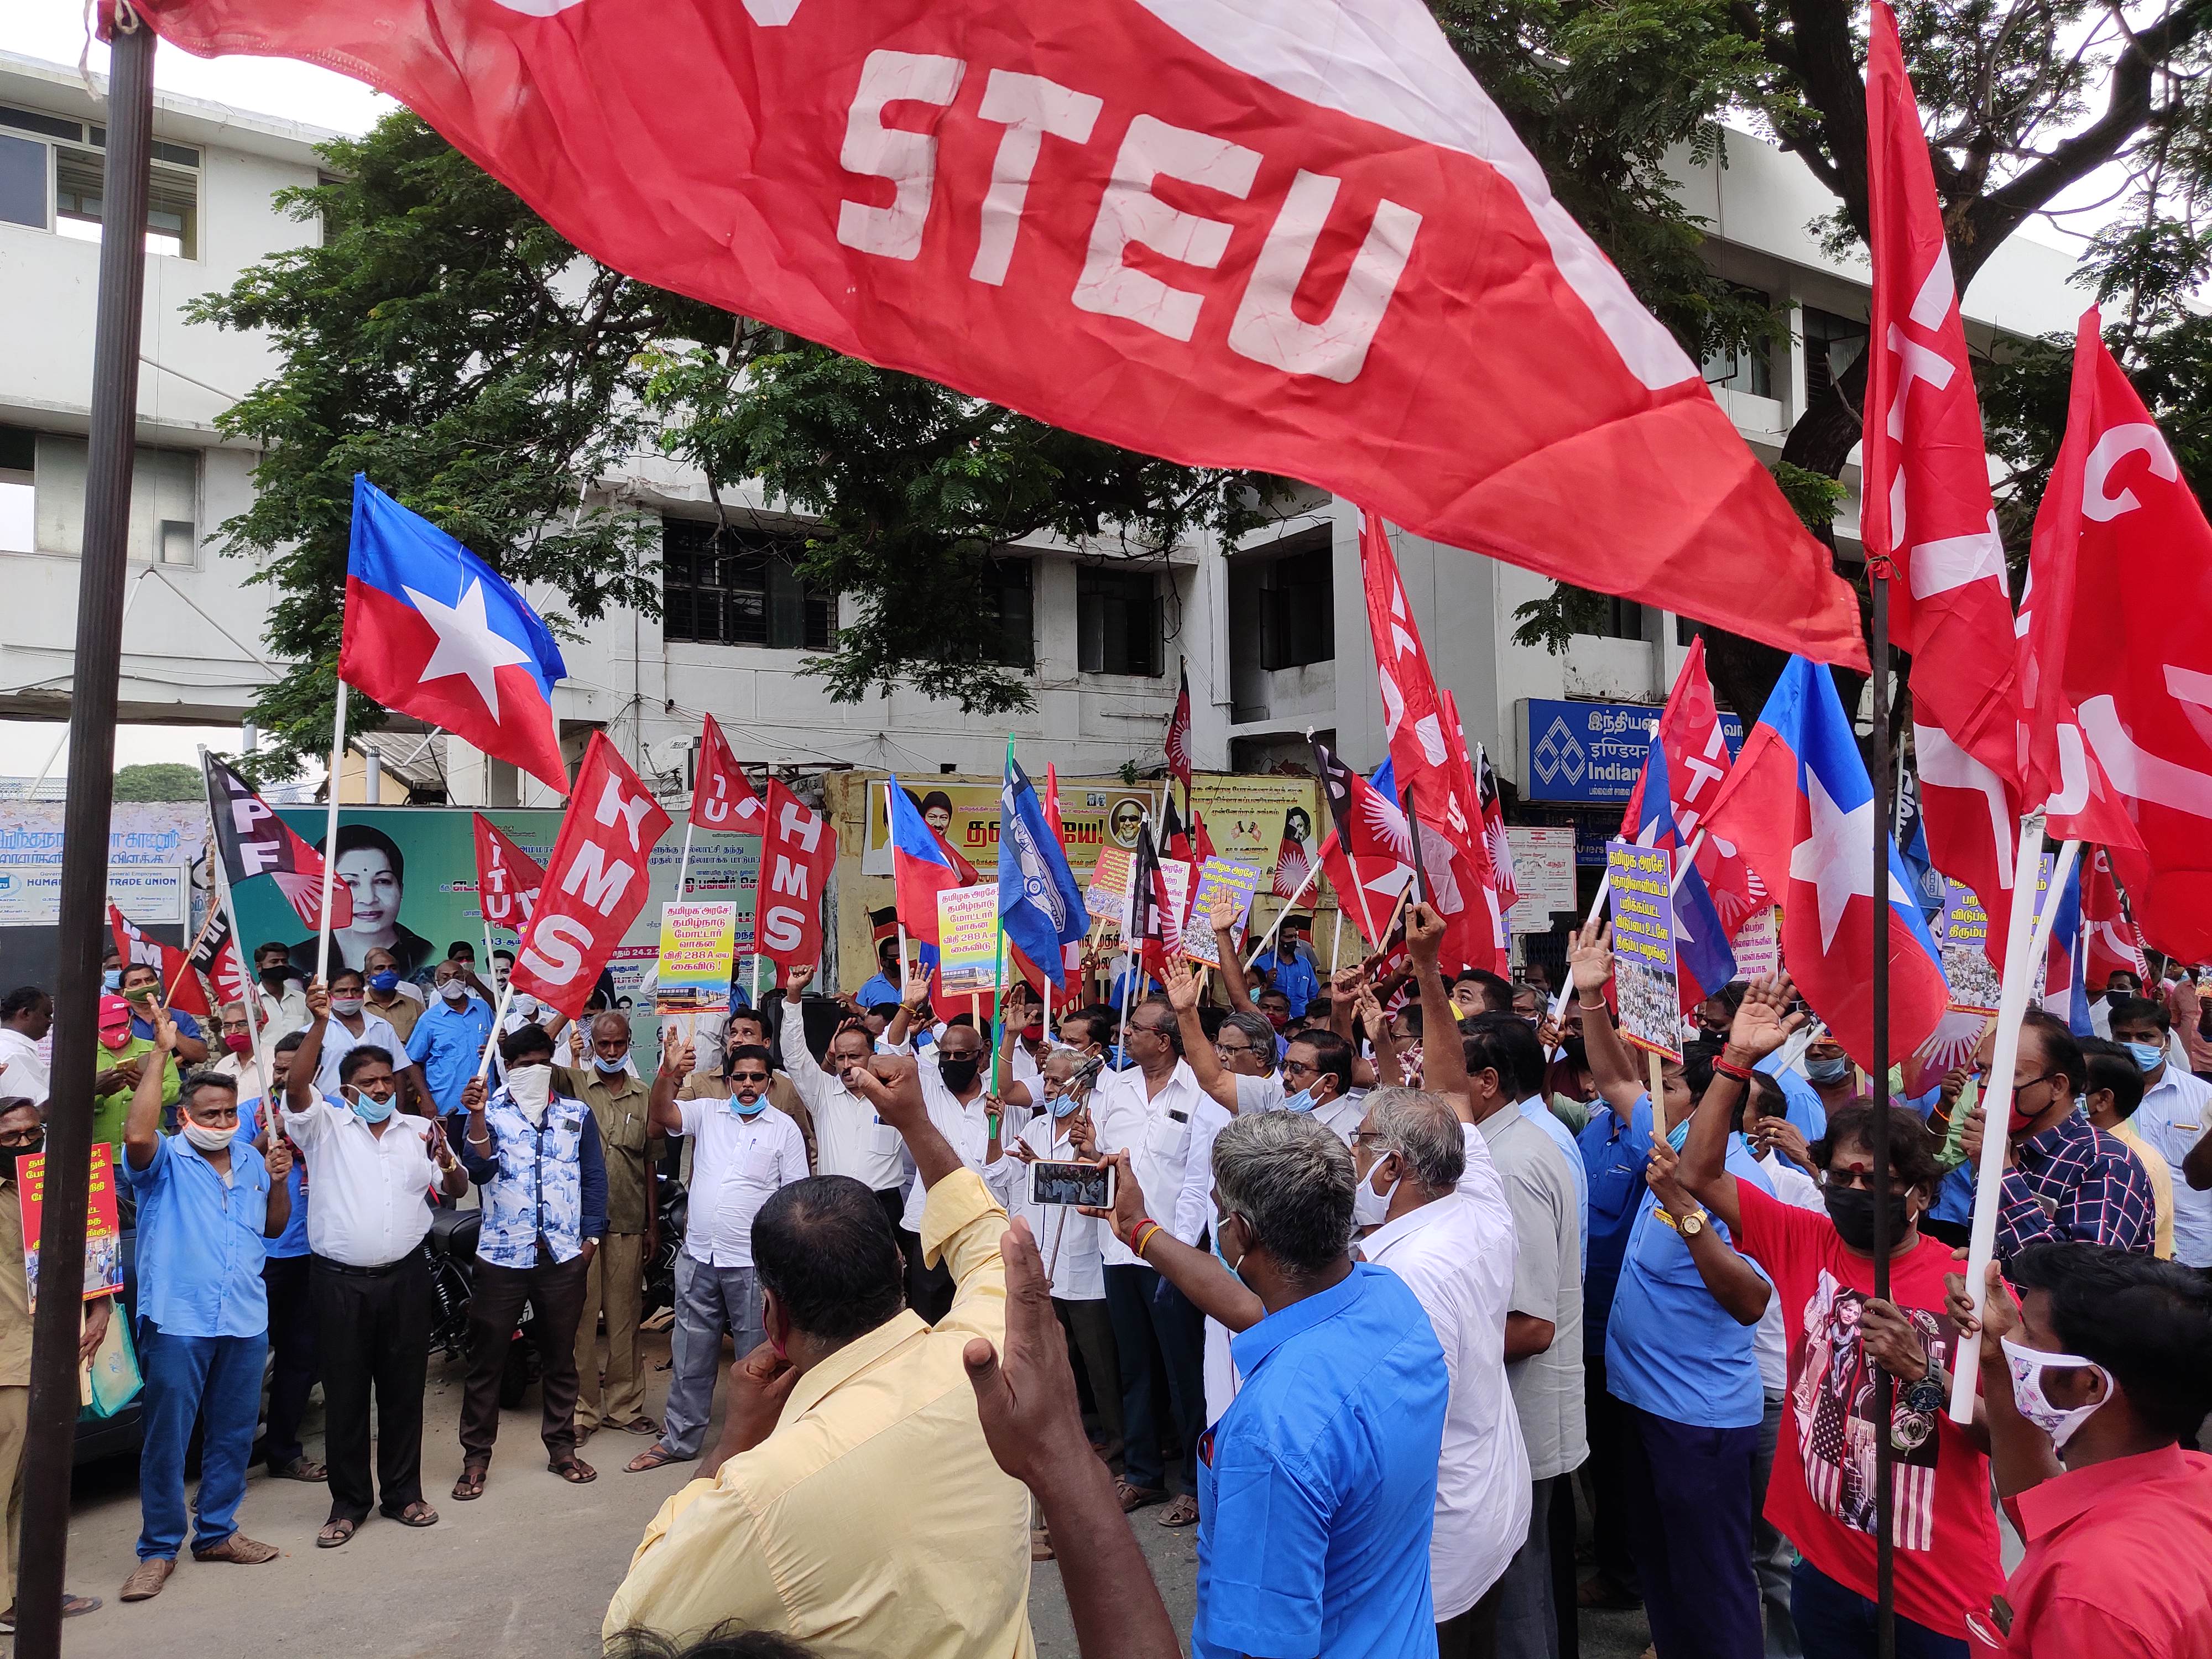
103, 1227
1543, 876
1757, 945
968, 939
1962, 928
1644, 970
698, 943
1106, 898
1217, 879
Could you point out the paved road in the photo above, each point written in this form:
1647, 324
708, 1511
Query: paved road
524, 1572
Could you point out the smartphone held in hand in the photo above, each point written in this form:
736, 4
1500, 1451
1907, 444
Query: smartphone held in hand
1071, 1183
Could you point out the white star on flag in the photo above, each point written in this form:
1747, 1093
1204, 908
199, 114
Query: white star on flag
1837, 857
467, 643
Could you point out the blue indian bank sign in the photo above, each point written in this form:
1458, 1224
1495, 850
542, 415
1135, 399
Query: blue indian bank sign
1590, 753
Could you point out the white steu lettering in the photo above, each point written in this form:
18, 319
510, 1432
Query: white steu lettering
1129, 212
908, 160
1030, 107
1266, 329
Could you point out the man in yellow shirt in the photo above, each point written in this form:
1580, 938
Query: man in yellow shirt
2116, 1089
856, 1507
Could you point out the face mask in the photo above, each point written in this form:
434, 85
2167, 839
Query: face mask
613, 1067
347, 1006
1829, 1071
530, 1087
758, 1106
1852, 1208
958, 1074
384, 984
2028, 1365
2148, 1058
452, 990
207, 1140
1301, 1101
1368, 1207
238, 1042
369, 1110
1067, 1105
117, 1038
10, 1154
525, 1004
112, 980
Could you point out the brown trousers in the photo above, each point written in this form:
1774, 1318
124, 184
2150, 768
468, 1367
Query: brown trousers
616, 1285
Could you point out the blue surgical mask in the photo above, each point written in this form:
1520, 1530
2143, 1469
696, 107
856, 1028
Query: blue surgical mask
1067, 1105
1828, 1071
1301, 1101
369, 1110
2147, 1057
384, 984
611, 1067
750, 1112
112, 980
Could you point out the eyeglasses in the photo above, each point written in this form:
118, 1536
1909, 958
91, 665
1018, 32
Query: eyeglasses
1299, 1068
748, 1077
1234, 1048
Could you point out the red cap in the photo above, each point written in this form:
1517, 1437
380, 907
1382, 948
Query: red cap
113, 1012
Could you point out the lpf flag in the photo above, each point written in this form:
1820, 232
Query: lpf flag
1295, 237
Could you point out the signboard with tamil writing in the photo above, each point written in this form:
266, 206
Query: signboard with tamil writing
1645, 971
1591, 753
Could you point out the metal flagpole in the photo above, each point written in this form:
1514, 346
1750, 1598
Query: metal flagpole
1884, 1386
331, 840
96, 671
683, 867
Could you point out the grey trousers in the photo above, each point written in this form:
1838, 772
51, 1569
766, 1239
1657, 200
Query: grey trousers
708, 1301
1527, 1618
1771, 1554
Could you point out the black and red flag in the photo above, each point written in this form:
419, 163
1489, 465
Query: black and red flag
254, 841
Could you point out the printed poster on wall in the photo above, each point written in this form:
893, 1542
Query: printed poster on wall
1645, 973
1543, 875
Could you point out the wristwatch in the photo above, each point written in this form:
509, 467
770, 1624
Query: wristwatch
1931, 1394
1691, 1225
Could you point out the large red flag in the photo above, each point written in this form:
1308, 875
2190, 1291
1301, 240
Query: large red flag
1295, 238
181, 982
1927, 519
2113, 947
595, 882
2123, 562
1429, 757
722, 797
797, 851
1698, 765
508, 879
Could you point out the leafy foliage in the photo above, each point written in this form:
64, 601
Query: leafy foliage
159, 781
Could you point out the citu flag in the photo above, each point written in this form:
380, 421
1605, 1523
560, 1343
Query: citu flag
2122, 563
508, 880
181, 981
2113, 947
433, 631
1927, 517
595, 883
1696, 752
1800, 806
1295, 238
721, 796
253, 840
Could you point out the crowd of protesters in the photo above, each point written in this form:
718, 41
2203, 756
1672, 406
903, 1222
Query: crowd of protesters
1386, 1316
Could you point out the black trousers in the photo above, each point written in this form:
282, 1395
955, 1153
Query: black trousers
1612, 1430
555, 1292
373, 1333
1473, 1634
292, 1347
1151, 1316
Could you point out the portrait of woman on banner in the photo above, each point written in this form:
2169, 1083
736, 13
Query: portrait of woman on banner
371, 866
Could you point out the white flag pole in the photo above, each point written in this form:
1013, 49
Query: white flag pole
683, 867
1313, 874
331, 837
1996, 1104
498, 1019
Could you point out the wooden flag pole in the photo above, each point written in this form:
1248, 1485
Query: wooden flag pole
1658, 1097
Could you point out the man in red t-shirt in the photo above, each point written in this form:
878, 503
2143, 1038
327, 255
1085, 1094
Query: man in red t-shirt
2091, 1382
1837, 1336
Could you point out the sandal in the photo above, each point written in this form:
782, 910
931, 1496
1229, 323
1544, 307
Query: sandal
573, 1470
335, 1532
471, 1483
1183, 1512
301, 1468
639, 1425
416, 1514
1135, 1497
655, 1456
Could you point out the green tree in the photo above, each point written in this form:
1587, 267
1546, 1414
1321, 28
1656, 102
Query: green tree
159, 781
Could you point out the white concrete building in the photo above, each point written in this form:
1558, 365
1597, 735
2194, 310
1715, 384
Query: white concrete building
1273, 633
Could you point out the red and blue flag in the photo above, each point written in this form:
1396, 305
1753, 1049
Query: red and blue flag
1800, 808
433, 631
923, 866
1701, 943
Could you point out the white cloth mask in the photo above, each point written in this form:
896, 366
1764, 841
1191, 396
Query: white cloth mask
530, 1087
2028, 1364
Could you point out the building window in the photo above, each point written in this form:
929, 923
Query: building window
1117, 620
1601, 616
1298, 610
172, 201
1832, 344
22, 181
42, 488
1010, 601
735, 585
1748, 368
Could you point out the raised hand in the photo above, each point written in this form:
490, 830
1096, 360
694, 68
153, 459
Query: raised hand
917, 989
165, 1030
678, 1058
796, 980
1181, 986
279, 1160
1223, 915
1589, 957
1764, 1023
318, 1002
1425, 935
892, 1084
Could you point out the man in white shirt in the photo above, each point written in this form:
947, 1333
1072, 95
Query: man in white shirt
371, 1173
1149, 1111
283, 998
742, 1151
352, 1024
1456, 1254
2172, 1118
849, 1139
27, 1014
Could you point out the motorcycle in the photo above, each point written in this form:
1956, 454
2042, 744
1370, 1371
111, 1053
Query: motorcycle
451, 1248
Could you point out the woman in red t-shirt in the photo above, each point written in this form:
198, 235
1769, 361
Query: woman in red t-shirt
1839, 1336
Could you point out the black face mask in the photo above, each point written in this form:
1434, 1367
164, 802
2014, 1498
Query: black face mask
1852, 1208
10, 1154
1574, 1050
958, 1074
